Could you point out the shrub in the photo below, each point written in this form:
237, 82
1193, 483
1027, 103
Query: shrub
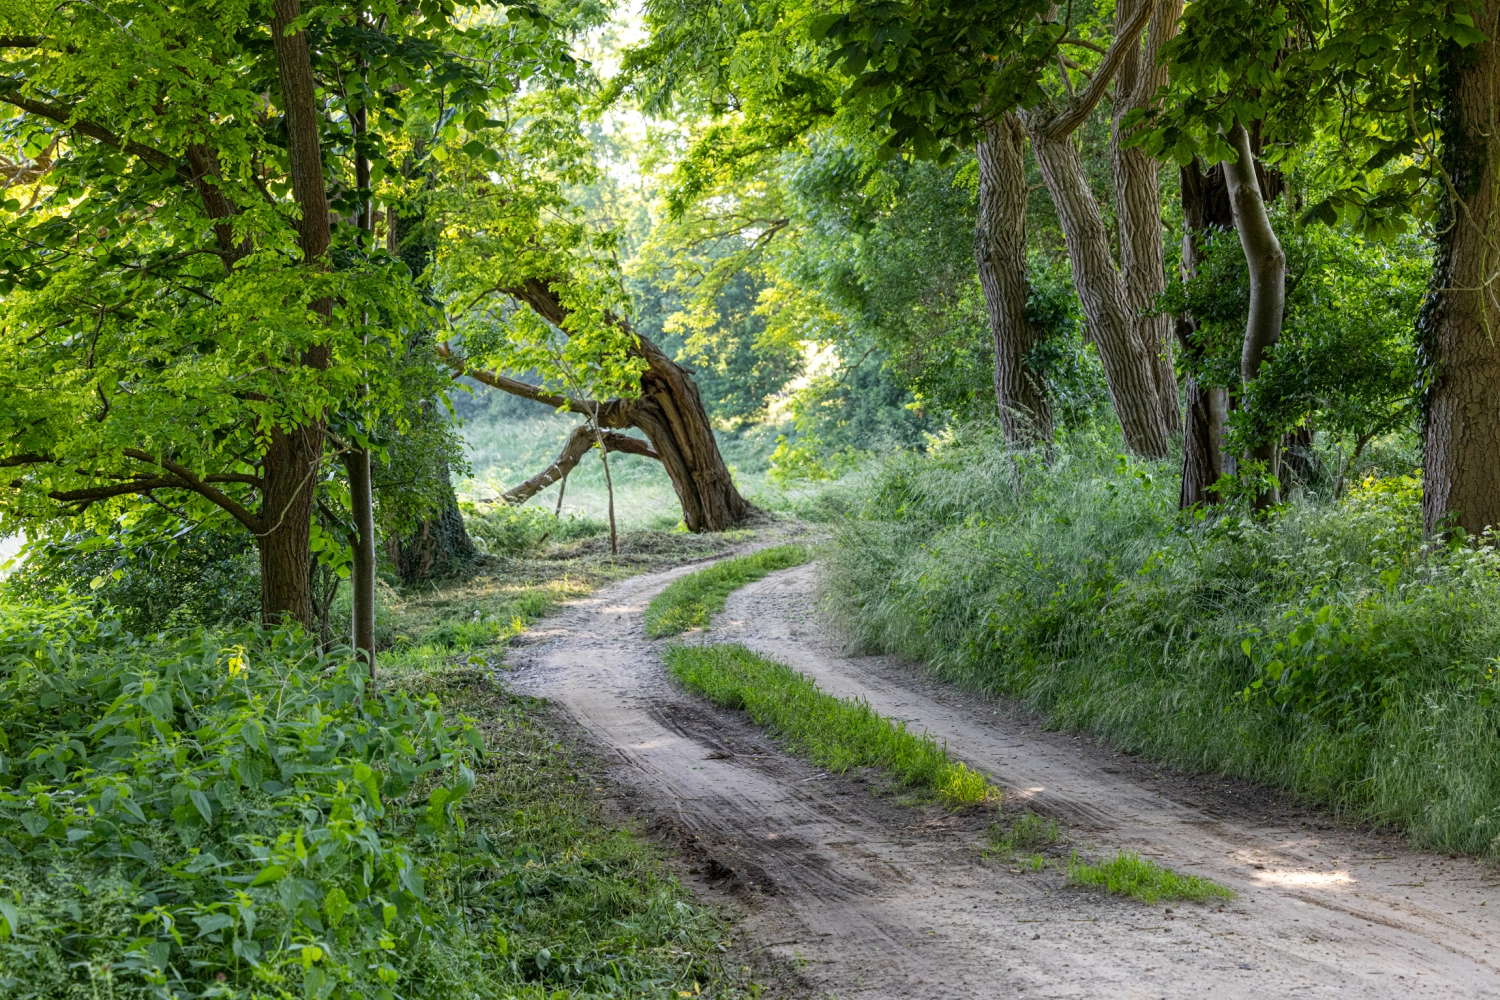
504, 530
180, 817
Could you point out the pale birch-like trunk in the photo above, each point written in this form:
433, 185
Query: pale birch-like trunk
1000, 250
1205, 205
1461, 319
1267, 267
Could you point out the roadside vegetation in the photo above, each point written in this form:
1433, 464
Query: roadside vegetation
1328, 648
836, 733
1142, 879
693, 600
188, 810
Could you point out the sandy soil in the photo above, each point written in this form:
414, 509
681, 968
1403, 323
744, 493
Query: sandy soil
866, 896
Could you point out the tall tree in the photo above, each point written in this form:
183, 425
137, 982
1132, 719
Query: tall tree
1461, 477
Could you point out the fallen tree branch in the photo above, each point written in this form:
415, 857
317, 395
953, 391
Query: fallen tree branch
578, 444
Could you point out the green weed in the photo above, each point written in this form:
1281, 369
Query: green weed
690, 601
1028, 831
835, 733
1127, 873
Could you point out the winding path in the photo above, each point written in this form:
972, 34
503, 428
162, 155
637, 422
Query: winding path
868, 897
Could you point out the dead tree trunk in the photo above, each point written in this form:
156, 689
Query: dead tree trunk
1137, 180
668, 409
1460, 322
1267, 265
1000, 249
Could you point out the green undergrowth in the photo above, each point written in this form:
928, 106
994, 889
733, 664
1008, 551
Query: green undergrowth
202, 813
691, 601
835, 733
1128, 874
1328, 649
1026, 832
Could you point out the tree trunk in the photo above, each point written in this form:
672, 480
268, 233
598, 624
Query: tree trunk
1460, 322
669, 411
292, 457
1137, 180
1205, 206
1128, 367
362, 574
1000, 249
1267, 266
439, 546
289, 473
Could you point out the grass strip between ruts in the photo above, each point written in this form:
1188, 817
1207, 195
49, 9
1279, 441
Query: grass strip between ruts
1132, 875
836, 733
691, 601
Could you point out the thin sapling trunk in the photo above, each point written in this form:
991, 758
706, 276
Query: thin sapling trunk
1267, 266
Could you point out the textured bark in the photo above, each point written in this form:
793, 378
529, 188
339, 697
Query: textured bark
1138, 201
1267, 267
668, 409
578, 444
289, 476
1000, 250
291, 461
1460, 325
439, 547
1205, 206
1128, 367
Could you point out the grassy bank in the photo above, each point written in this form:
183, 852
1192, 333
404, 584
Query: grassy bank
211, 812
690, 602
1327, 650
835, 733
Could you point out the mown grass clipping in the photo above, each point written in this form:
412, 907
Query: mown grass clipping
1129, 874
691, 601
836, 733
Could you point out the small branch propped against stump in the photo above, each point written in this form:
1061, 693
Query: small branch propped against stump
578, 445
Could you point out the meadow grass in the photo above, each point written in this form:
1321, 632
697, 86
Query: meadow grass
690, 601
835, 733
1128, 874
1329, 649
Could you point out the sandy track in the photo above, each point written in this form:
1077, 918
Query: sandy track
869, 898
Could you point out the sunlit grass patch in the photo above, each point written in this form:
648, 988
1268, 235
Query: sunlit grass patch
692, 600
1129, 874
1027, 832
836, 733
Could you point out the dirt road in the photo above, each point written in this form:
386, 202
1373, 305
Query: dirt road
867, 897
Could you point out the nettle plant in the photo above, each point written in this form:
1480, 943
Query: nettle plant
183, 818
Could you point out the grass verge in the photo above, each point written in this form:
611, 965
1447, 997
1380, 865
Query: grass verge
1330, 649
836, 733
691, 601
1128, 874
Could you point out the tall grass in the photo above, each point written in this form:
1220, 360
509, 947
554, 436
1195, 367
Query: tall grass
1328, 650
